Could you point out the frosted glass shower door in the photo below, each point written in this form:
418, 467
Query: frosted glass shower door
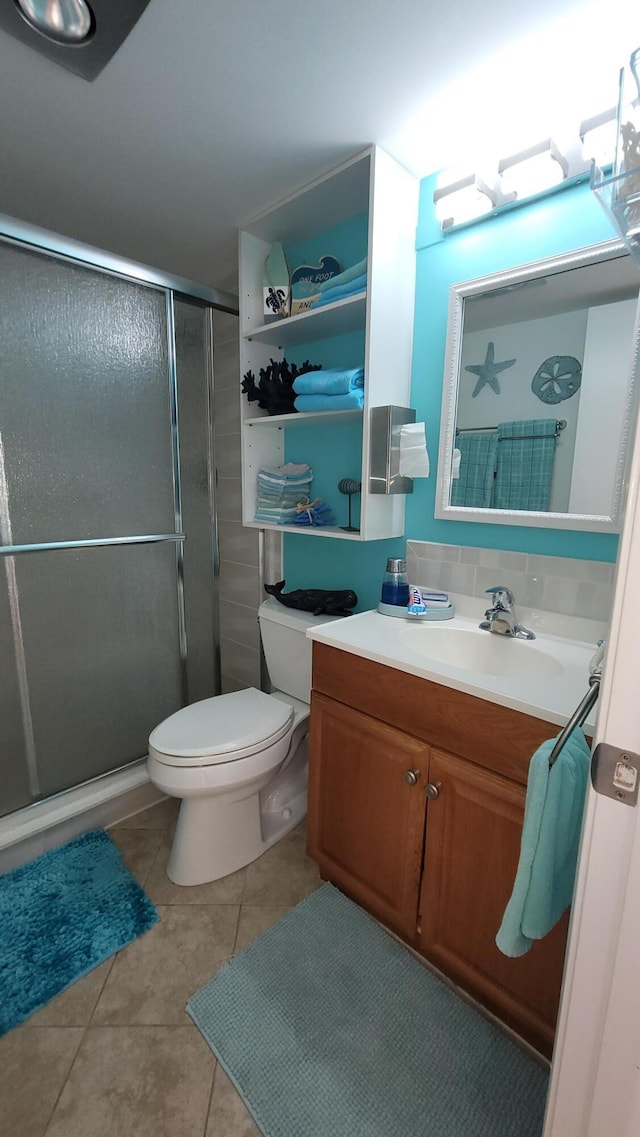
92, 623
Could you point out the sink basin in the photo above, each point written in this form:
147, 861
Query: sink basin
474, 650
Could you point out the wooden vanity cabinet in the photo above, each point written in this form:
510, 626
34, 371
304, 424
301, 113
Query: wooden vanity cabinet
436, 870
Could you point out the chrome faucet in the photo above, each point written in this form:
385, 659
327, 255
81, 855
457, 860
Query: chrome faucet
501, 617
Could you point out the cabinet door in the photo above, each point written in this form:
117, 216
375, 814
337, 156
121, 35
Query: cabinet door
472, 848
365, 821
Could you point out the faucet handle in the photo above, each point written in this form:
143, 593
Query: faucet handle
501, 595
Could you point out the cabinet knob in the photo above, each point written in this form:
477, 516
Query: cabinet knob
411, 777
432, 789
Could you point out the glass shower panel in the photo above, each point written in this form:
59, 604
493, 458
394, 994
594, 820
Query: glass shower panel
101, 638
84, 401
14, 767
193, 365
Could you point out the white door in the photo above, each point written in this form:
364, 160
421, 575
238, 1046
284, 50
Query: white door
595, 1083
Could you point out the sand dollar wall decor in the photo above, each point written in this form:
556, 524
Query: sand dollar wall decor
557, 379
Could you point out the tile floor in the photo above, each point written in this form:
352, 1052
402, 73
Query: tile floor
116, 1055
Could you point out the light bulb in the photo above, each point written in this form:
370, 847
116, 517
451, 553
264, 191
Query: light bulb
64, 21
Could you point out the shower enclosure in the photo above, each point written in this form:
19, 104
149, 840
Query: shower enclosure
107, 519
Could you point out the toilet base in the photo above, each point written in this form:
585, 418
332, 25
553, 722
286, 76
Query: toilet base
218, 834
214, 837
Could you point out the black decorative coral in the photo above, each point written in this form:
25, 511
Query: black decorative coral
274, 390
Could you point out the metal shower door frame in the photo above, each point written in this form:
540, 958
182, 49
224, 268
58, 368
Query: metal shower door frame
32, 239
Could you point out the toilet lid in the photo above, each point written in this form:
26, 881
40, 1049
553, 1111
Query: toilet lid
224, 727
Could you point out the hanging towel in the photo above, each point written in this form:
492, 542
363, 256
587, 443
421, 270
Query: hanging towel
474, 484
524, 467
340, 292
350, 402
344, 277
545, 877
329, 382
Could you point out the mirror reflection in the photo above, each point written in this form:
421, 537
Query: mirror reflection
537, 405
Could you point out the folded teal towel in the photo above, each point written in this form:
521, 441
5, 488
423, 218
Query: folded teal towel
329, 382
543, 887
351, 402
358, 284
344, 277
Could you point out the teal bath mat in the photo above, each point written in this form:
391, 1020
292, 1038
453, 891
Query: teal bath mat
60, 916
330, 1028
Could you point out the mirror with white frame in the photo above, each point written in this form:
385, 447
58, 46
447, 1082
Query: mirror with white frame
539, 395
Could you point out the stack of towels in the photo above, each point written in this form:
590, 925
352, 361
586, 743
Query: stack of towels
280, 490
329, 390
345, 284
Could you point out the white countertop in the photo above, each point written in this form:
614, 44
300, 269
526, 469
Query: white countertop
546, 677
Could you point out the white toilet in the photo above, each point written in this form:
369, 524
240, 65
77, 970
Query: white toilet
239, 761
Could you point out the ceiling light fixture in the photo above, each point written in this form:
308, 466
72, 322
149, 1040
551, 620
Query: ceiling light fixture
464, 200
534, 170
69, 22
79, 35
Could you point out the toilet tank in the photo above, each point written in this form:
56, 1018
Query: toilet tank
286, 647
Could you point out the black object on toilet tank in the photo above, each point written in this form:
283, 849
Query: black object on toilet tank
320, 601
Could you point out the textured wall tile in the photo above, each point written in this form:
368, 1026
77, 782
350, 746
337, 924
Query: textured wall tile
239, 583
228, 455
557, 566
226, 412
229, 498
240, 663
237, 543
434, 551
414, 566
239, 623
230, 684
225, 329
594, 600
489, 578
561, 595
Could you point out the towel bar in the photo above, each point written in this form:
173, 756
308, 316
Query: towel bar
577, 718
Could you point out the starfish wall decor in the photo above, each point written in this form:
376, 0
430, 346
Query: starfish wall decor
488, 371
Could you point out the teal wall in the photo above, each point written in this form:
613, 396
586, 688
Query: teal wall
559, 223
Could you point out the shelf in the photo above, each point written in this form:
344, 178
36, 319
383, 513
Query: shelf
369, 206
307, 418
311, 530
318, 323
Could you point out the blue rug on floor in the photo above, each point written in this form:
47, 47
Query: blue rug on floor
328, 1027
60, 916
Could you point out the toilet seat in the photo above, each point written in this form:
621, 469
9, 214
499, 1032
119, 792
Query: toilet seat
222, 729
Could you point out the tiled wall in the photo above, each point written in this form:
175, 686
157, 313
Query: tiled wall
239, 582
553, 584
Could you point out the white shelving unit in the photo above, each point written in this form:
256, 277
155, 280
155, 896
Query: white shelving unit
374, 184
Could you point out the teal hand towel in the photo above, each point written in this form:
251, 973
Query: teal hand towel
344, 277
330, 382
351, 402
545, 876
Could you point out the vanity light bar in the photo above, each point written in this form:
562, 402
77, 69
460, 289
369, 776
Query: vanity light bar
463, 200
533, 170
527, 174
598, 135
